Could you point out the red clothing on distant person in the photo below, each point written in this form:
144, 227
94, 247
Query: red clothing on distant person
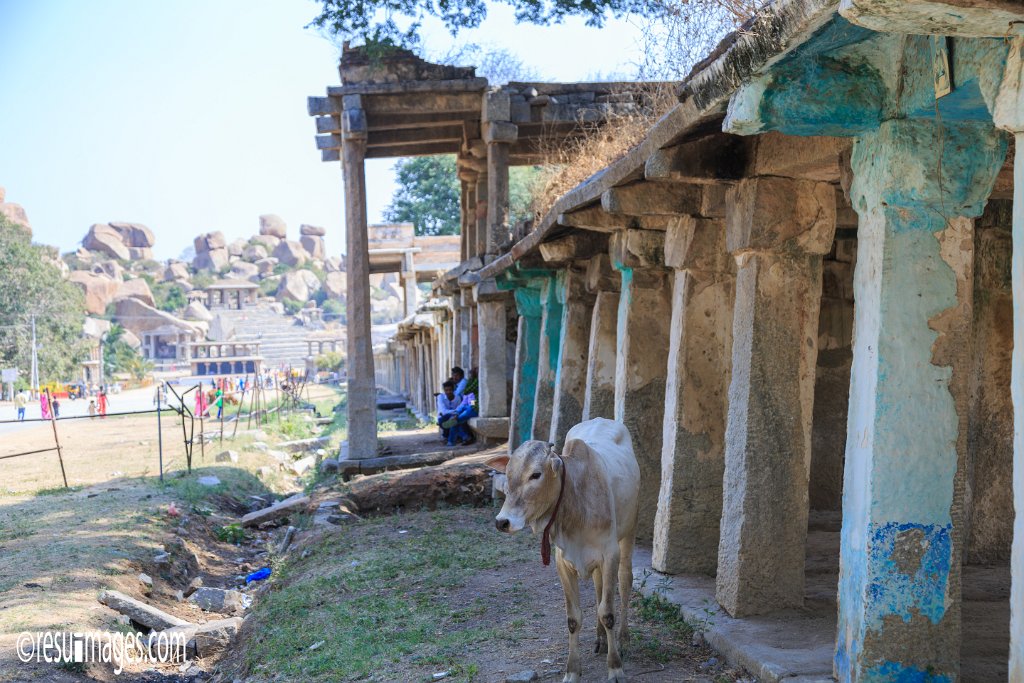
102, 404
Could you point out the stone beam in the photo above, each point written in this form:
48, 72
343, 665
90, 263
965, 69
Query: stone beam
412, 150
573, 246
645, 199
716, 158
778, 229
596, 219
982, 19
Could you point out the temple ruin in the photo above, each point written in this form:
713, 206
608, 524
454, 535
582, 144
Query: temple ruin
798, 294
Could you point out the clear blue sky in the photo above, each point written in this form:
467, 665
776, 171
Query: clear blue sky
190, 115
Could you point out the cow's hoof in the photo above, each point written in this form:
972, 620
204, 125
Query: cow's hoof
616, 676
571, 678
601, 646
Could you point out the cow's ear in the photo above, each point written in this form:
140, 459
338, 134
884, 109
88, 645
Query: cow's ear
498, 462
551, 451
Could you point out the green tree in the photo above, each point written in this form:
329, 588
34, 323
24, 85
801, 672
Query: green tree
31, 284
428, 194
388, 23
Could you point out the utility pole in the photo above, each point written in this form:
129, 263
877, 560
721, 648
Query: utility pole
35, 361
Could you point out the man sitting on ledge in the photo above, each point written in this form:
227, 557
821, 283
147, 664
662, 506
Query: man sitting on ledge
447, 407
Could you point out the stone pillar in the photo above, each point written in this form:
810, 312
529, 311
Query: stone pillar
482, 182
642, 355
778, 229
551, 296
491, 304
498, 133
362, 394
599, 393
524, 384
899, 583
696, 398
409, 283
571, 378
1009, 115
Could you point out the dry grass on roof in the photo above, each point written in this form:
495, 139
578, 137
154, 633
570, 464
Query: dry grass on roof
577, 158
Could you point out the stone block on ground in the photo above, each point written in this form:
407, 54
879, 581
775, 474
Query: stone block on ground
218, 600
300, 445
208, 480
490, 427
294, 505
227, 456
140, 612
214, 637
302, 464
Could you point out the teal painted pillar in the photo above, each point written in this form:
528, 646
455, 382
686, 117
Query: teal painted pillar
524, 383
552, 296
915, 188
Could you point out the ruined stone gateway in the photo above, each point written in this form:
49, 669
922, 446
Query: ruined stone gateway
800, 293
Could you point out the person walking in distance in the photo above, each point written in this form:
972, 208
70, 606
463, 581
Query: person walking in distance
44, 404
102, 403
21, 402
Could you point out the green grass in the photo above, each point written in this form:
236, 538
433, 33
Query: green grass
378, 600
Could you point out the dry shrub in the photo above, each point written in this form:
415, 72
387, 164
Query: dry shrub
570, 161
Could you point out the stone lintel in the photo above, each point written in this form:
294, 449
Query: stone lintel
488, 290
500, 132
697, 244
573, 246
323, 106
798, 156
644, 199
328, 124
637, 249
988, 19
596, 219
780, 214
601, 276
717, 158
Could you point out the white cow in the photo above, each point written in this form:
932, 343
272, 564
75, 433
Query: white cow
586, 500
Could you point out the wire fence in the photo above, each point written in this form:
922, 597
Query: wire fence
259, 410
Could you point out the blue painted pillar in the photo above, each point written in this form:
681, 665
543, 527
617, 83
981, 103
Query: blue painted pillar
524, 383
915, 186
552, 296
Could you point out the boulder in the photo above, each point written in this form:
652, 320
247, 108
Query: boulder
266, 265
294, 505
15, 213
213, 637
244, 271
135, 235
218, 600
313, 245
135, 289
208, 242
104, 239
272, 224
335, 285
312, 230
99, 290
268, 242
111, 269
214, 260
227, 456
237, 247
254, 252
294, 286
332, 264
129, 338
176, 271
197, 311
140, 612
291, 253
140, 253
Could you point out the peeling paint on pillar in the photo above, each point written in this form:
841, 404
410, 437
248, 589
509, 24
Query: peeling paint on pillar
527, 355
899, 601
552, 294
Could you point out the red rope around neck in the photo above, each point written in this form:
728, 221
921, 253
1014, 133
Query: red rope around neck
545, 543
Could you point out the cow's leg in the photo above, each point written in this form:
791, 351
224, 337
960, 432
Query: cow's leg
574, 617
606, 615
625, 588
601, 646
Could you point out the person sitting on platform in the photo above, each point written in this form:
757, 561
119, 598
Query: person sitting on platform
447, 407
459, 377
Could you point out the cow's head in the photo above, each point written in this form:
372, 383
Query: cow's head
534, 473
